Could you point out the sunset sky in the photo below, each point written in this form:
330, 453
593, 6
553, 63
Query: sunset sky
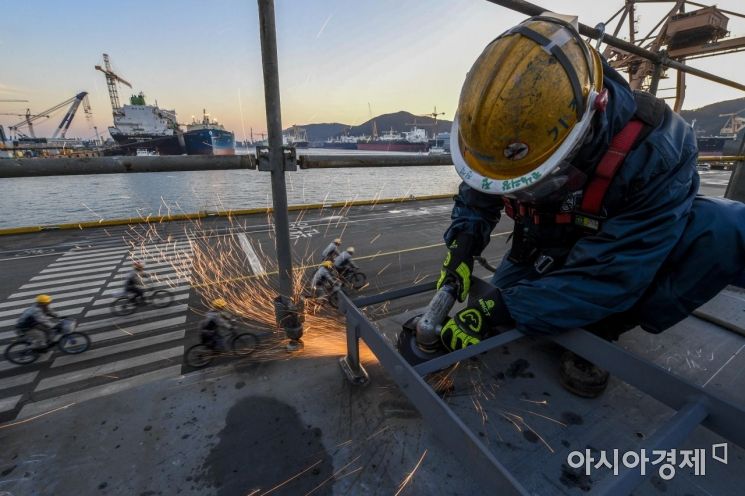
335, 56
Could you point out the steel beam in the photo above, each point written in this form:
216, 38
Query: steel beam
448, 359
534, 10
694, 406
394, 295
724, 417
670, 435
494, 477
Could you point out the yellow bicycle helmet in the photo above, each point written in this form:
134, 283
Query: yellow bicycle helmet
43, 299
526, 105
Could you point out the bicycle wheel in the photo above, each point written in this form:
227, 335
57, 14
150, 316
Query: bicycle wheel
199, 355
357, 280
123, 305
74, 343
244, 344
161, 298
21, 353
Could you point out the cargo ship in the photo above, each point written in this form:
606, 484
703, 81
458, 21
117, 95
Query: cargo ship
342, 143
208, 137
139, 126
297, 138
712, 145
411, 141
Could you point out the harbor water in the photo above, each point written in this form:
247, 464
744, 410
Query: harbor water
63, 199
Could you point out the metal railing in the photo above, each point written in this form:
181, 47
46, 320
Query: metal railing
693, 405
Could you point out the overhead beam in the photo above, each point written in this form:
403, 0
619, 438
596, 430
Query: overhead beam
708, 49
531, 9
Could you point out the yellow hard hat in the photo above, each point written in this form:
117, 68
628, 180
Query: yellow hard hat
337, 241
44, 299
219, 303
327, 264
526, 105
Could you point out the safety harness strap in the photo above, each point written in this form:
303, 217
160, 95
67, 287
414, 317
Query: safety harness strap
620, 146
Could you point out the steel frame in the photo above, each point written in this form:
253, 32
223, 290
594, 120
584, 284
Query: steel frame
692, 404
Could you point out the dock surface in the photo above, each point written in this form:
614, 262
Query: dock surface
137, 420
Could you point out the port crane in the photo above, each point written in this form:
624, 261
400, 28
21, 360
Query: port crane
681, 35
111, 79
734, 123
64, 125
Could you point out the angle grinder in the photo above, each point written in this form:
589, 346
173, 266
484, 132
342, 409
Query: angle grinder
419, 339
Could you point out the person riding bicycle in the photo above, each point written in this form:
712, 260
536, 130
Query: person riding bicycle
134, 285
331, 251
323, 279
215, 323
38, 317
344, 263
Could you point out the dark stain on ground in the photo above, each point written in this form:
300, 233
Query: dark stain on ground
530, 436
518, 369
263, 444
571, 418
239, 385
8, 470
575, 477
565, 443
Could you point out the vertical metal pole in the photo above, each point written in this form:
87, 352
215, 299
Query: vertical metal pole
350, 364
276, 153
736, 186
655, 82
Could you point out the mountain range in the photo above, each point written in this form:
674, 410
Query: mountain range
707, 122
397, 121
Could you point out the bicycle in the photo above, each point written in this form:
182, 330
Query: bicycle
65, 338
240, 344
127, 303
352, 277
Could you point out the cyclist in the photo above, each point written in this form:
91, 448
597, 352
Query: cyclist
323, 279
331, 251
38, 317
215, 323
344, 263
134, 285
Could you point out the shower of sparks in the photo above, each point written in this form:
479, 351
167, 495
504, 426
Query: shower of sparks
542, 402
334, 476
409, 477
282, 484
216, 267
24, 421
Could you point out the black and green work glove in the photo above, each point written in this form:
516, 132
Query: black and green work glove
475, 322
458, 264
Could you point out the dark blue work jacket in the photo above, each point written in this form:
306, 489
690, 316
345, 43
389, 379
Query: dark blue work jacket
661, 252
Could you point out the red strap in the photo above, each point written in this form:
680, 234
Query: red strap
608, 166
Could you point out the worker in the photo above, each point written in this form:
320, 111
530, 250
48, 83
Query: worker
134, 285
323, 280
38, 316
331, 251
216, 323
601, 182
343, 263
